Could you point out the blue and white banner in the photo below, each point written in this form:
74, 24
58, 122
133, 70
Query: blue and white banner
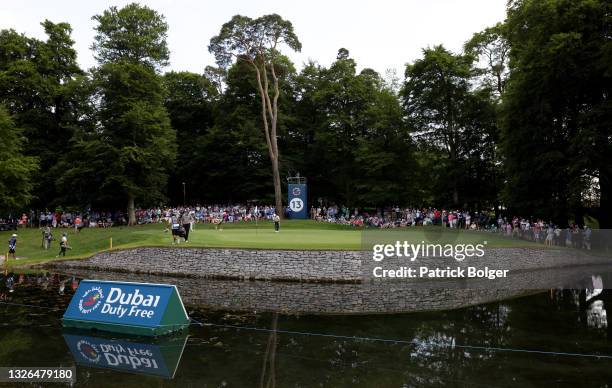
144, 358
124, 303
297, 201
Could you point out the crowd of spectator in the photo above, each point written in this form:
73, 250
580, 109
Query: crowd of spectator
105, 219
394, 217
207, 214
176, 218
539, 231
69, 219
548, 233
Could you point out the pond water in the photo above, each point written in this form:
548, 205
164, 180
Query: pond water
558, 337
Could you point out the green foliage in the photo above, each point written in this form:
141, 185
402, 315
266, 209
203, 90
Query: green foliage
134, 34
47, 94
190, 100
243, 37
235, 158
556, 132
130, 151
525, 107
491, 49
15, 169
135, 140
435, 89
348, 135
385, 154
217, 76
450, 118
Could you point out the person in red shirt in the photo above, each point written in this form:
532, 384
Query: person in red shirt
77, 224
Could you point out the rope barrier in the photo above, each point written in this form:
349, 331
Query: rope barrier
372, 339
408, 342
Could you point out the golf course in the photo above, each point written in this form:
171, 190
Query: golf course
294, 234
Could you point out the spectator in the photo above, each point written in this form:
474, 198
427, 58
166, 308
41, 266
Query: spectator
186, 224
63, 245
12, 245
47, 237
77, 224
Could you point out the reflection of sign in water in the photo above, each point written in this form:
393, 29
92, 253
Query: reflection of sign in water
88, 351
134, 308
296, 205
159, 358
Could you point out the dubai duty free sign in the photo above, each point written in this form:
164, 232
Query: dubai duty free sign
125, 307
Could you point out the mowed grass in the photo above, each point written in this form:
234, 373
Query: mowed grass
294, 234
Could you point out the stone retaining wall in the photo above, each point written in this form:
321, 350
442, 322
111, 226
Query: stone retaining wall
306, 266
331, 266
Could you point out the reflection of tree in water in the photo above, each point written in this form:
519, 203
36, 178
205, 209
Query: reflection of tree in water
431, 354
13, 343
268, 372
435, 354
590, 306
424, 358
591, 299
440, 345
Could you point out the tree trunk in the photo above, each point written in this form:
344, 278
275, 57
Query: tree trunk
579, 214
278, 196
454, 180
269, 111
455, 193
131, 210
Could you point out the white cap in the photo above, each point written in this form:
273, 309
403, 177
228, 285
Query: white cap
14, 235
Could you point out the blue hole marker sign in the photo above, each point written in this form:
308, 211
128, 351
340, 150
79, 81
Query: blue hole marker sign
139, 308
297, 201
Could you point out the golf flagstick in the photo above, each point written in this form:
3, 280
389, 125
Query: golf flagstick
256, 221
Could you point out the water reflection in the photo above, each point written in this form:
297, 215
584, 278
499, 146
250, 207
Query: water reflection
158, 357
550, 338
597, 315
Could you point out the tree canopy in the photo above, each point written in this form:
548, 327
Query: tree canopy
133, 33
556, 113
132, 140
518, 121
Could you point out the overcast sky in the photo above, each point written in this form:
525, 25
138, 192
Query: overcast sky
381, 34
